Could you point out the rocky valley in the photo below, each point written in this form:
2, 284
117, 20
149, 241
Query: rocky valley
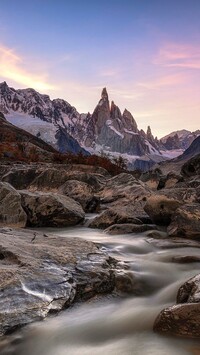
72, 230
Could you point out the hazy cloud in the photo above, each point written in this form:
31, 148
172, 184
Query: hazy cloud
12, 67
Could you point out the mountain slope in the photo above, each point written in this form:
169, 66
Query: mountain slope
40, 116
16, 143
176, 164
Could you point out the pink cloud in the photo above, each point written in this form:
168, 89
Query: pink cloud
163, 81
178, 55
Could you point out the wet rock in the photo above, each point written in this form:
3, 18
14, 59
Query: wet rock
82, 193
128, 228
180, 320
11, 211
189, 292
186, 222
40, 274
126, 282
50, 209
172, 243
161, 208
112, 216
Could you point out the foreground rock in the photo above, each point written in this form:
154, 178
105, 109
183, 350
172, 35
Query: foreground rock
51, 209
125, 191
11, 211
161, 208
186, 222
182, 319
113, 216
40, 274
82, 193
129, 228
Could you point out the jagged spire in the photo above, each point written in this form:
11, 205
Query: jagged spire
104, 94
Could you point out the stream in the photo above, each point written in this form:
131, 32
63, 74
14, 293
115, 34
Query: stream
113, 324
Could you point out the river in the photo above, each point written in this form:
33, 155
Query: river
119, 325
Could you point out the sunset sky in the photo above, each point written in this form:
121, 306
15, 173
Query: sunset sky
146, 52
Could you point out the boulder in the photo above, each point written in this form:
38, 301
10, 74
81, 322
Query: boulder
161, 208
189, 292
112, 216
50, 209
183, 194
82, 193
43, 273
125, 190
128, 228
21, 177
11, 211
182, 319
52, 178
186, 222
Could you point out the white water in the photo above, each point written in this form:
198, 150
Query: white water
119, 326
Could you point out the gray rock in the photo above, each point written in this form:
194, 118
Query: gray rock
11, 211
51, 209
189, 292
112, 216
40, 274
186, 222
82, 193
182, 319
128, 228
161, 208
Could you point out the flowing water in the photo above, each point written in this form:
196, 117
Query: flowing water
113, 325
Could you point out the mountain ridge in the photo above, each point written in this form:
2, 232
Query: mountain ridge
106, 130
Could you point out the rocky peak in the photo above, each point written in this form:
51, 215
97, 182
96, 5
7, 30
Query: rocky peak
129, 122
149, 134
104, 94
3, 86
115, 112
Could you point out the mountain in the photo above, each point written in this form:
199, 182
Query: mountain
179, 139
176, 164
106, 130
38, 115
18, 144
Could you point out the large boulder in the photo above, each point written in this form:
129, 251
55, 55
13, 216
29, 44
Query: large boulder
20, 177
112, 216
186, 222
52, 178
11, 211
125, 190
182, 319
82, 193
189, 292
44, 273
161, 208
51, 209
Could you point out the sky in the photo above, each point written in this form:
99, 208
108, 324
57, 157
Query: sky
145, 52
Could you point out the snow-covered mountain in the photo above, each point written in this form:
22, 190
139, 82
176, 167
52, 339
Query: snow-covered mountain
106, 130
40, 116
179, 139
